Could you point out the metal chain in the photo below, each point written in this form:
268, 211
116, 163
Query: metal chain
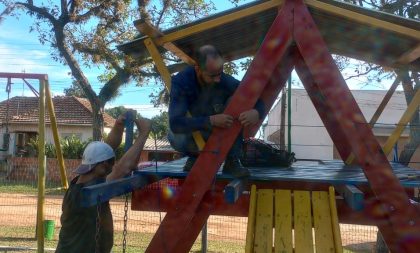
98, 226
125, 223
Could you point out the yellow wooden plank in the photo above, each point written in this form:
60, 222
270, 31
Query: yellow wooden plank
249, 246
334, 218
302, 222
54, 128
405, 118
283, 240
264, 222
159, 63
324, 239
374, 22
410, 56
166, 77
218, 21
151, 31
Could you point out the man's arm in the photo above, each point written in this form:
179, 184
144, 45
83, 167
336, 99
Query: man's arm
250, 117
131, 158
115, 136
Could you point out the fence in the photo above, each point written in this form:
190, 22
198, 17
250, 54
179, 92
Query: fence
18, 200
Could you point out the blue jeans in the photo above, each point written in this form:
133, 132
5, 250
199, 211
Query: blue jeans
185, 144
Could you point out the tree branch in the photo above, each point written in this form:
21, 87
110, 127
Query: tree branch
107, 56
144, 14
166, 5
9, 9
64, 10
94, 11
363, 73
73, 6
43, 12
111, 87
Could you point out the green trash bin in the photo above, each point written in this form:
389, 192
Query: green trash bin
49, 226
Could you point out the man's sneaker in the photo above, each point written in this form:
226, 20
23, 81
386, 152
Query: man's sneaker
189, 163
234, 167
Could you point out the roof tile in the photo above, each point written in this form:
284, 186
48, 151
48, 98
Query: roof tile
68, 110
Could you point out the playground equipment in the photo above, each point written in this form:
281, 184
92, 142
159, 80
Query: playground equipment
44, 96
301, 35
286, 211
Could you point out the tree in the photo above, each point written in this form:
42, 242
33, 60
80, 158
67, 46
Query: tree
115, 112
160, 126
74, 90
83, 35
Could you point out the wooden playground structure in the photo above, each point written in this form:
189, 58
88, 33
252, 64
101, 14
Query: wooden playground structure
283, 35
45, 101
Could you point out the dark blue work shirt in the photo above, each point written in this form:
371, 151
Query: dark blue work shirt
188, 95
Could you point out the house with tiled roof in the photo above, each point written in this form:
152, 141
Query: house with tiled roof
158, 150
19, 117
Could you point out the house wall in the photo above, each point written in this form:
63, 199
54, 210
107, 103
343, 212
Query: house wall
83, 132
415, 159
310, 139
26, 169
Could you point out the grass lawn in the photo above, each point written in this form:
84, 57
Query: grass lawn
29, 188
136, 242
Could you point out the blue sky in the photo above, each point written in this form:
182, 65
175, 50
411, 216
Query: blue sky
20, 51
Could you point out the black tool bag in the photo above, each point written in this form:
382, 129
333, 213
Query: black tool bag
258, 153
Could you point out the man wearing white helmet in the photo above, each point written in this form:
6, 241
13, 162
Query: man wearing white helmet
78, 224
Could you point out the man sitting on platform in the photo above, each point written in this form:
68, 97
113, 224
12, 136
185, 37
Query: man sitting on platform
204, 90
90, 229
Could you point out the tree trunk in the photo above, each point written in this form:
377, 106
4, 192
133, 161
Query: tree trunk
98, 122
410, 148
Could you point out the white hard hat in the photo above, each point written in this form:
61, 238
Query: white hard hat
95, 152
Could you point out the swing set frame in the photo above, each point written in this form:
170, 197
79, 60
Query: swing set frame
45, 99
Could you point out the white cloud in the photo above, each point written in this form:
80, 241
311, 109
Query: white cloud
15, 60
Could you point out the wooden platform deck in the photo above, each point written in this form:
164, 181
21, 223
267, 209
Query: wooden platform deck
333, 172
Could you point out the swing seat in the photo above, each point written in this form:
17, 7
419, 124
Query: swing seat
297, 219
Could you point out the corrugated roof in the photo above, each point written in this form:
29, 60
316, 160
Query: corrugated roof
68, 110
161, 145
343, 35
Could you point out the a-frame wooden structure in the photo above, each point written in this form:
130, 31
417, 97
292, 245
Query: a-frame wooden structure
293, 41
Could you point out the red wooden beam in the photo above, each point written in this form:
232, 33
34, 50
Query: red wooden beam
272, 50
24, 75
156, 200
404, 217
202, 214
275, 85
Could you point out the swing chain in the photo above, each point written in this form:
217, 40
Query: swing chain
125, 223
98, 226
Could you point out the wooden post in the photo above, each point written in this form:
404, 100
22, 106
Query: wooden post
41, 168
54, 130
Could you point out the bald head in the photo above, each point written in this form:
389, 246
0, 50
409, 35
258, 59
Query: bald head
208, 54
209, 65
